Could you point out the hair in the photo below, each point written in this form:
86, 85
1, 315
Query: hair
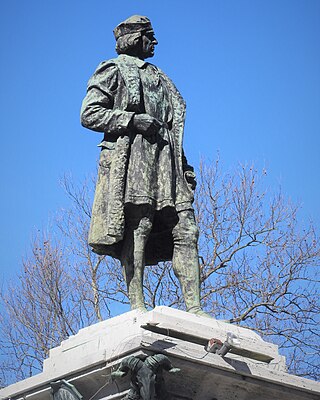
127, 44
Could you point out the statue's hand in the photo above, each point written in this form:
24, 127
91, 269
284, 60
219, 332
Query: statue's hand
146, 125
191, 179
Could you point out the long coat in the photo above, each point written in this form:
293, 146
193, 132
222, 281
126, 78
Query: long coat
113, 97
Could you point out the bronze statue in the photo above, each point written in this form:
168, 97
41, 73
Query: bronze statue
147, 380
142, 212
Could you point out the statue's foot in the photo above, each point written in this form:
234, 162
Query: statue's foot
139, 307
198, 311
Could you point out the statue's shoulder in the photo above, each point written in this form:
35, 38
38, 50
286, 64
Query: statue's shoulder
164, 76
105, 76
159, 70
105, 65
121, 62
172, 87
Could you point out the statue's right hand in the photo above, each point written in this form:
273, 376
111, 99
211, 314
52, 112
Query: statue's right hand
146, 125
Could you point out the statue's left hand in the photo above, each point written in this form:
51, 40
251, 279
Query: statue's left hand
191, 179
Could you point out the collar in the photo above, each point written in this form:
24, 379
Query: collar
139, 63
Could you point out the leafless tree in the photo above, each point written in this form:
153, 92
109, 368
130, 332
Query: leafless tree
37, 315
259, 268
90, 270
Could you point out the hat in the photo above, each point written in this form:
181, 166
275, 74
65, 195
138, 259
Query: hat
133, 24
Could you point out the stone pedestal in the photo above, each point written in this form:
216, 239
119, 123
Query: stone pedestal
252, 369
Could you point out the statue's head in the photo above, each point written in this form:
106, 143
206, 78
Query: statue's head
135, 37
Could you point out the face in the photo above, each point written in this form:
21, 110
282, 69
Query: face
146, 381
148, 43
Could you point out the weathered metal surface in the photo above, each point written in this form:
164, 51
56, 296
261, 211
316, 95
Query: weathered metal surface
147, 382
142, 211
63, 390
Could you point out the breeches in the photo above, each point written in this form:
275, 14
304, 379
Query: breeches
142, 219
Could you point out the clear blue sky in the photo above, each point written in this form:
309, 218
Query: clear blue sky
248, 69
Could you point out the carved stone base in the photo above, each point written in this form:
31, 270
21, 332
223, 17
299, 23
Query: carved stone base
250, 369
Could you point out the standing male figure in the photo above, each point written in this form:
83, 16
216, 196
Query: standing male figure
142, 211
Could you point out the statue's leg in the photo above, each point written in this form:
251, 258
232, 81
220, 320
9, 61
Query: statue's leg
138, 228
185, 260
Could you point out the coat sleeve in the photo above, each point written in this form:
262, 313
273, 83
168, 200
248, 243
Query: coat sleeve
97, 111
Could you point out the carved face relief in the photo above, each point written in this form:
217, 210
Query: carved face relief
146, 381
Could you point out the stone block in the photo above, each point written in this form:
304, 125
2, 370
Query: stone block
253, 370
